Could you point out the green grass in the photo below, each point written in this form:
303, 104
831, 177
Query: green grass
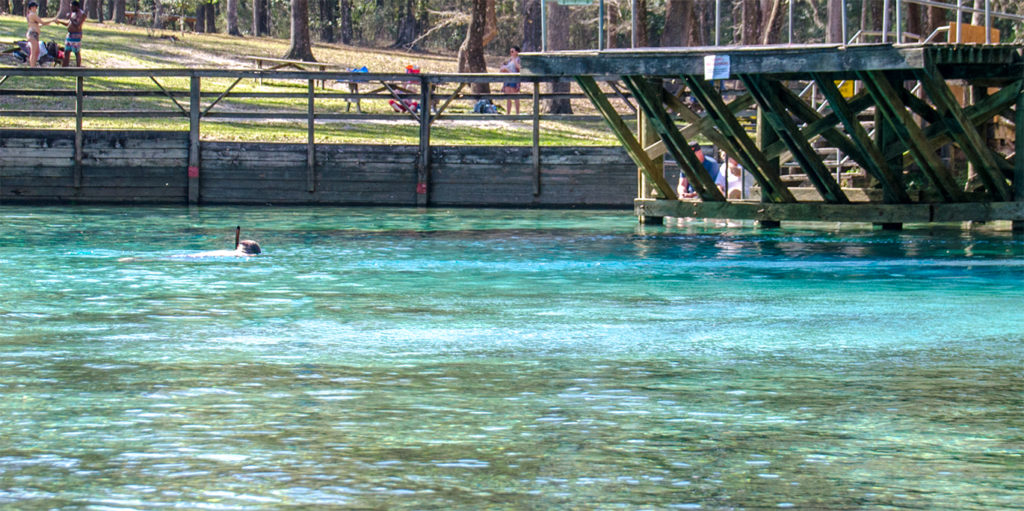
123, 46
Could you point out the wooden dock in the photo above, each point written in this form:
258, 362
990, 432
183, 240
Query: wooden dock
916, 124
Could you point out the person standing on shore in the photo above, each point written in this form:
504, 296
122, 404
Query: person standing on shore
511, 87
35, 24
73, 42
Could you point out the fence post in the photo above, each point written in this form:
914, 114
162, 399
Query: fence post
193, 140
1018, 167
79, 98
423, 162
310, 143
536, 138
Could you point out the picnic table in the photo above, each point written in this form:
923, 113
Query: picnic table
302, 65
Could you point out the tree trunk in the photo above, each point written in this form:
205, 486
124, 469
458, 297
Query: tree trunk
63, 11
211, 19
834, 29
677, 23
407, 29
935, 19
750, 18
260, 18
558, 39
531, 25
978, 18
471, 52
346, 21
301, 47
158, 13
914, 21
328, 19
5, 6
42, 12
118, 11
612, 26
771, 20
698, 32
491, 23
641, 23
200, 15
18, 7
232, 18
90, 8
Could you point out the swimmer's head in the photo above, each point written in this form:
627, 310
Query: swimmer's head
248, 247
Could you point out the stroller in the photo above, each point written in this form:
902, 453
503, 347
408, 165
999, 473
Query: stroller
49, 53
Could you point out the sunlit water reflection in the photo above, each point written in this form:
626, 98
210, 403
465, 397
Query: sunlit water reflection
503, 359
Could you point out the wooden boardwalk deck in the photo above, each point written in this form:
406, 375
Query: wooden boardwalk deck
909, 107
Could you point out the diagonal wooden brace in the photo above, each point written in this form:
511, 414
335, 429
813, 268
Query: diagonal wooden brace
874, 162
964, 133
765, 171
649, 97
652, 172
776, 114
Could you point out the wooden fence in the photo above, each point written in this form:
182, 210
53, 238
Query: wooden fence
162, 166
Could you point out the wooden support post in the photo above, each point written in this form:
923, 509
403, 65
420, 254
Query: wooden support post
311, 137
648, 96
1018, 167
647, 136
193, 140
768, 224
777, 115
79, 99
635, 150
536, 139
423, 162
745, 150
899, 120
874, 162
965, 134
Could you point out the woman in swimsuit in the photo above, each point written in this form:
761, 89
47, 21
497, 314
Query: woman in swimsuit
35, 23
512, 66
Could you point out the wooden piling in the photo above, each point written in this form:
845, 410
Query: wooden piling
79, 99
193, 139
423, 160
310, 138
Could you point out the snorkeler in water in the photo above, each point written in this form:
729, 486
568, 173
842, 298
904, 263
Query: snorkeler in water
243, 248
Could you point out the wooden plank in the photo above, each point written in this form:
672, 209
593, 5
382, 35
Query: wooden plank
874, 163
775, 113
873, 213
649, 97
903, 126
745, 150
310, 138
964, 133
653, 173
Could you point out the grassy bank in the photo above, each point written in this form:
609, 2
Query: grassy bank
111, 45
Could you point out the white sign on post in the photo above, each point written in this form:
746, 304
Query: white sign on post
716, 67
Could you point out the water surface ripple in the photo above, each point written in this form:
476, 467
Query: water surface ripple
504, 360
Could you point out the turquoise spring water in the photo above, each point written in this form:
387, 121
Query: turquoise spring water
503, 359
